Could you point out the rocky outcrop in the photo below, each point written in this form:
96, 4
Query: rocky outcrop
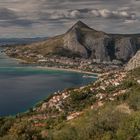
125, 48
100, 46
134, 62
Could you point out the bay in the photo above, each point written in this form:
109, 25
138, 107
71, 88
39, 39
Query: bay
22, 86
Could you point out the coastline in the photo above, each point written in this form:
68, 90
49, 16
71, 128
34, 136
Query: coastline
61, 69
68, 70
56, 68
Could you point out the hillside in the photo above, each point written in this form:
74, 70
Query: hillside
83, 42
108, 109
134, 62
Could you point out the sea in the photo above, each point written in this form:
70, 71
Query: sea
23, 86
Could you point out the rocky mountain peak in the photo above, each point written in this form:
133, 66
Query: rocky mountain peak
79, 25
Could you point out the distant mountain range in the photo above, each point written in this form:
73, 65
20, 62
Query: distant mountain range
85, 42
19, 41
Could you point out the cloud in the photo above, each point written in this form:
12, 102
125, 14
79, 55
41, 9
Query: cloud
88, 13
9, 17
131, 21
6, 13
56, 16
115, 14
17, 22
75, 14
70, 14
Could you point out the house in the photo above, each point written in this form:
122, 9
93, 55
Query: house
138, 81
44, 106
74, 115
101, 96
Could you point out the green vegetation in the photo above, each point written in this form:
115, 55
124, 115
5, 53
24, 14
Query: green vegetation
109, 124
115, 120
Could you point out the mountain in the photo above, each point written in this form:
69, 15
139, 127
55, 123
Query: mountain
134, 62
101, 46
85, 42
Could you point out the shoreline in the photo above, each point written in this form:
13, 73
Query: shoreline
68, 70
61, 69
54, 69
58, 69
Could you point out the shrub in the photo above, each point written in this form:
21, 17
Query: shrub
78, 96
130, 128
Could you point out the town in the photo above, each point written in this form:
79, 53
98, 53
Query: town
106, 88
63, 62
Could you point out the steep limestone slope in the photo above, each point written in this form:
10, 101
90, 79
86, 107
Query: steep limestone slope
134, 62
125, 48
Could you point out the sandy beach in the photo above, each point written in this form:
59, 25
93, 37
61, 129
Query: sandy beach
60, 69
69, 70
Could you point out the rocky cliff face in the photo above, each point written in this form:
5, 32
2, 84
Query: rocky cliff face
100, 46
85, 42
89, 43
125, 48
134, 62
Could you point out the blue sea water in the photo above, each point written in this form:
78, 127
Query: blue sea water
22, 86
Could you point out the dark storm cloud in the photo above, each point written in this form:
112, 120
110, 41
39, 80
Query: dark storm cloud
10, 18
23, 22
7, 14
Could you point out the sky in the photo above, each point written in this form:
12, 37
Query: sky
39, 18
